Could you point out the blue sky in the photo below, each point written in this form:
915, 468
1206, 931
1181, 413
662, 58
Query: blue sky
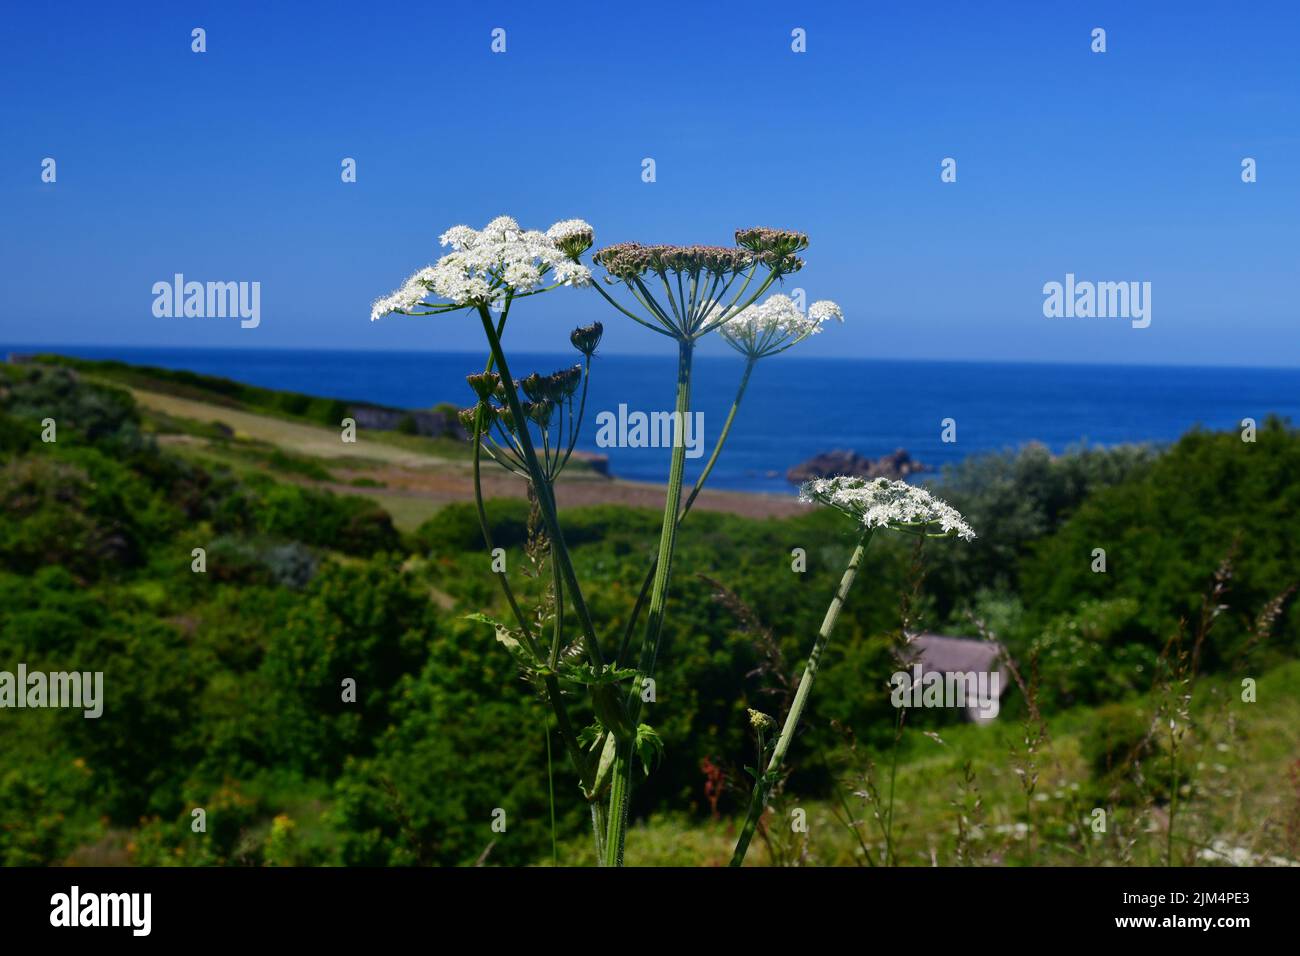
225, 165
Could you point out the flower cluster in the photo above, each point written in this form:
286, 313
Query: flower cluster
554, 387
883, 503
572, 236
776, 248
411, 293
487, 266
628, 260
776, 324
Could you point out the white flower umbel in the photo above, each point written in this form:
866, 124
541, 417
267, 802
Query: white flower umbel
883, 503
825, 310
776, 324
878, 503
487, 266
406, 298
573, 236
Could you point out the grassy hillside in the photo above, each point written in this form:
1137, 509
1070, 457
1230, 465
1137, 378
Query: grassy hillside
225, 686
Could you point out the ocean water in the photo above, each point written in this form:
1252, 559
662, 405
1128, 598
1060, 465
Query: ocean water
797, 407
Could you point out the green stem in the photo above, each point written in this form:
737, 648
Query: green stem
893, 780
558, 635
690, 500
567, 733
621, 786
550, 779
586, 771
598, 826
546, 502
763, 785
1173, 798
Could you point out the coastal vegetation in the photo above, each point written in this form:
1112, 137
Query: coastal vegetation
224, 689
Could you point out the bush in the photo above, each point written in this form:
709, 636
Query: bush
1166, 532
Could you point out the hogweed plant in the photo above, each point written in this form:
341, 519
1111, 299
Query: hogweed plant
878, 503
530, 426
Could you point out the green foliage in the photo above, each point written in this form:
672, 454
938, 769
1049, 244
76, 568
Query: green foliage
1165, 533
225, 690
1126, 756
1014, 499
1093, 654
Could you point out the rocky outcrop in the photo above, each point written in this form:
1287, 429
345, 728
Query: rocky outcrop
898, 465
596, 461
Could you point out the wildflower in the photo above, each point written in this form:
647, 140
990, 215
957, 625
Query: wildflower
704, 275
469, 418
628, 260
884, 503
405, 298
566, 381
536, 387
540, 412
571, 273
485, 267
824, 310
503, 416
585, 338
782, 242
759, 720
572, 236
484, 384
776, 324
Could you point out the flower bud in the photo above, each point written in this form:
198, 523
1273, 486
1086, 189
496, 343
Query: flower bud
484, 384
502, 414
585, 338
540, 412
565, 382
468, 416
536, 387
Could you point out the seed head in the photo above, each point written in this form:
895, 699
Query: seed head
484, 384
585, 338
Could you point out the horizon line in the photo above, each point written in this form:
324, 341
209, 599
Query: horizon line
41, 348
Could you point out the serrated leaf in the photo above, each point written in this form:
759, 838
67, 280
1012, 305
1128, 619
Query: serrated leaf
649, 746
592, 676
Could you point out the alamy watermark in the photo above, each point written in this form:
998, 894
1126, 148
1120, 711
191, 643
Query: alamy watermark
209, 300
67, 689
1102, 300
653, 430
976, 691
130, 910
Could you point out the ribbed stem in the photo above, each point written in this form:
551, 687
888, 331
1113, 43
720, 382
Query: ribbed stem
544, 499
763, 786
621, 786
690, 500
560, 555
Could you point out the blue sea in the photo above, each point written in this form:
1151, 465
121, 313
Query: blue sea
797, 407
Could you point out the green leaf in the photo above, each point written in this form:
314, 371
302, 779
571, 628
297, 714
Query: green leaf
649, 746
591, 676
509, 636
